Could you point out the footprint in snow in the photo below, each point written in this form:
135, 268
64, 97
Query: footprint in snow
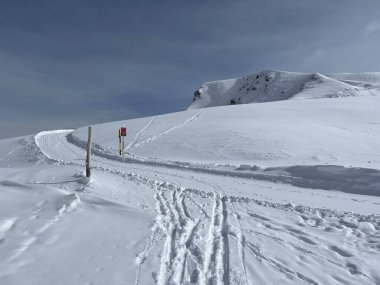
340, 251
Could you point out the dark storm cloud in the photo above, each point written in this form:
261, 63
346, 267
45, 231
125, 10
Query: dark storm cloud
68, 63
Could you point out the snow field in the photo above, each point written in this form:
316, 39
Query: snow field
283, 192
199, 236
345, 133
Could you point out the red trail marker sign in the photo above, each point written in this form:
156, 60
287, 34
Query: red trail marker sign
123, 132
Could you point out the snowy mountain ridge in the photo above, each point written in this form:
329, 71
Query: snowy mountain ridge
272, 85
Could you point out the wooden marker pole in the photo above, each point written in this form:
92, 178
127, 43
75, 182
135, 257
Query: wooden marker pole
88, 156
119, 142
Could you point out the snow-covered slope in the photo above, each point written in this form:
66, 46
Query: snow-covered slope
341, 131
284, 192
271, 85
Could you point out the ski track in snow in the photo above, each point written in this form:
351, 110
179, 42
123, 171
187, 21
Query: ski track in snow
184, 216
12, 151
135, 140
157, 136
216, 268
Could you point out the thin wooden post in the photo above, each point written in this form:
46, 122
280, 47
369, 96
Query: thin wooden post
122, 146
88, 156
119, 142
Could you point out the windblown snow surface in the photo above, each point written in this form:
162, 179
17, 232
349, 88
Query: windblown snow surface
283, 192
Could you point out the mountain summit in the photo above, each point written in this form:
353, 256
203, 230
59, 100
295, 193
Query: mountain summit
271, 85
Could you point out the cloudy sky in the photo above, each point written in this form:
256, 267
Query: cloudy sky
69, 63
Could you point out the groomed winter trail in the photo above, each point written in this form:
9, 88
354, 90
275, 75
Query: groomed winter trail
213, 227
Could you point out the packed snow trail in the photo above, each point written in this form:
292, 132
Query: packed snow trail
54, 145
363, 181
207, 231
